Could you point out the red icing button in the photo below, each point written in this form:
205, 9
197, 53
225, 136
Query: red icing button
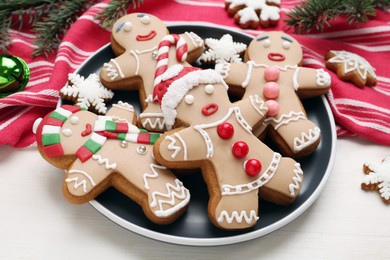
240, 149
225, 130
252, 167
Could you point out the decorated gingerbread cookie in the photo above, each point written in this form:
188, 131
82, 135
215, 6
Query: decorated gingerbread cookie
252, 13
222, 50
273, 73
102, 151
216, 136
378, 178
142, 43
87, 93
351, 67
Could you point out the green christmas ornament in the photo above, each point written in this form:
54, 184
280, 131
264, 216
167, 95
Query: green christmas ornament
14, 74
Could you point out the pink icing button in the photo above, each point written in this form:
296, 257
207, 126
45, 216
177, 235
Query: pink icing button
271, 90
273, 107
271, 73
252, 167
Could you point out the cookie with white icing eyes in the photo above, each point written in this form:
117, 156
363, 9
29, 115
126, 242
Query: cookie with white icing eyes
272, 70
351, 67
254, 13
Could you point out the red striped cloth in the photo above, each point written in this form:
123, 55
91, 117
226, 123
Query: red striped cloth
364, 112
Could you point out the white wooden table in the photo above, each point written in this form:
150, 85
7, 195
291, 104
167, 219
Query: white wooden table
37, 223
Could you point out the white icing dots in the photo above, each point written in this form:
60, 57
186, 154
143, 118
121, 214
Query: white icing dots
209, 89
74, 120
286, 45
267, 43
67, 132
128, 26
189, 99
145, 19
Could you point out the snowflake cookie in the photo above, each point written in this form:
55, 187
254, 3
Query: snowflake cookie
223, 50
252, 13
378, 178
351, 67
87, 93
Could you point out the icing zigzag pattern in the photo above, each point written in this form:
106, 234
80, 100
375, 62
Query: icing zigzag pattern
160, 122
173, 192
238, 217
104, 161
153, 175
306, 139
83, 182
285, 119
296, 179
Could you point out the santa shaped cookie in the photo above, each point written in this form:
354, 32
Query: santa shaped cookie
216, 137
145, 48
272, 71
102, 151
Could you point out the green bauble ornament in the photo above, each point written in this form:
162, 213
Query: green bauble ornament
14, 74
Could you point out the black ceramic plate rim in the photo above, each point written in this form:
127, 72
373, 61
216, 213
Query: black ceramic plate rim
234, 238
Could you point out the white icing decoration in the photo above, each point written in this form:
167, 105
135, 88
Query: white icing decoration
146, 51
258, 104
179, 88
285, 119
172, 146
295, 79
223, 69
189, 99
173, 192
380, 175
223, 50
104, 161
51, 129
259, 182
67, 132
152, 175
209, 144
297, 179
306, 139
195, 39
113, 72
36, 124
137, 63
124, 105
74, 120
267, 43
82, 183
128, 26
171, 72
353, 62
286, 45
145, 19
252, 7
245, 83
323, 78
155, 120
238, 217
89, 92
209, 89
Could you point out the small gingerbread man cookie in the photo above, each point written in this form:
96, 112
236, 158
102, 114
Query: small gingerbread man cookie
252, 13
142, 43
272, 71
215, 136
378, 178
351, 67
87, 93
102, 151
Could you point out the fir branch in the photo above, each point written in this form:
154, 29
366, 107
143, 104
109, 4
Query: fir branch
318, 14
115, 10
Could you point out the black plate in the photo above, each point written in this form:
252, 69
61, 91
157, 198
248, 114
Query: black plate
194, 227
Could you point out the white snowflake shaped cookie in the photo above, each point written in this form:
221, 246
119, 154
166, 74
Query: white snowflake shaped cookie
223, 50
378, 178
252, 13
87, 93
351, 67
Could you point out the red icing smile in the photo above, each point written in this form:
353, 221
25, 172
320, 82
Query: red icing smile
147, 37
209, 109
274, 56
87, 131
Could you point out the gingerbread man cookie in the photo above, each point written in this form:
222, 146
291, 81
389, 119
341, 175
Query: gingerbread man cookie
142, 43
216, 137
252, 13
102, 151
351, 67
272, 72
378, 178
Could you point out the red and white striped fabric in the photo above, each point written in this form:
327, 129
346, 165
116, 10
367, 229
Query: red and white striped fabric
364, 112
